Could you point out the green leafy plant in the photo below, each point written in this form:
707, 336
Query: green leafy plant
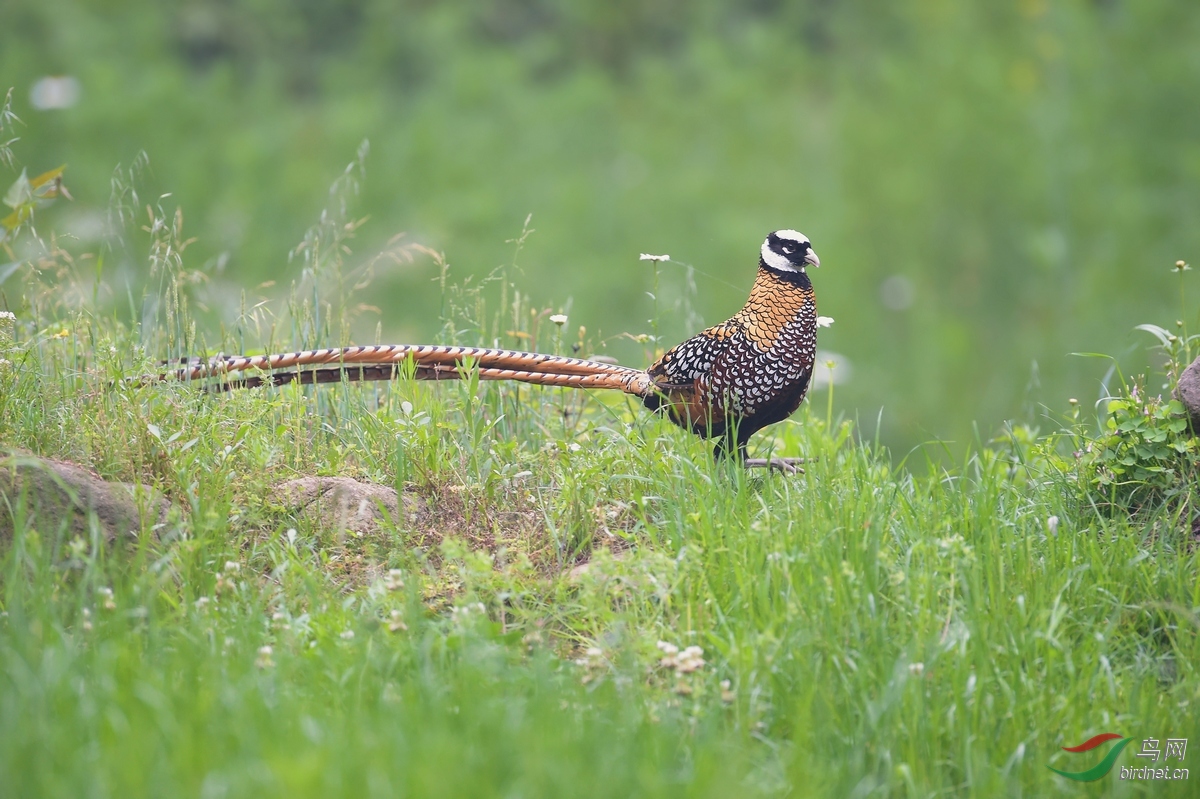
1147, 453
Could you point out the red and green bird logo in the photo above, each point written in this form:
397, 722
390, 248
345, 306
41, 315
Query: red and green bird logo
1104, 766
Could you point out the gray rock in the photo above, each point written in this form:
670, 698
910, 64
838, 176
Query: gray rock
56, 495
342, 504
1187, 391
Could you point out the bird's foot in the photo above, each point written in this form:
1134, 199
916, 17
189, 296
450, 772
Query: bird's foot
785, 465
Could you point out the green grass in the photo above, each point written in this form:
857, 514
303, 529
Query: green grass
866, 630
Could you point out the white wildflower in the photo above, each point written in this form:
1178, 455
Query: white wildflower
648, 257
397, 623
223, 583
689, 660
264, 657
559, 319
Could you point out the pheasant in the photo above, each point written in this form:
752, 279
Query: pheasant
728, 382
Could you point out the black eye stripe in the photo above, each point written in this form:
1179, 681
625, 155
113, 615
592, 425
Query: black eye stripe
793, 249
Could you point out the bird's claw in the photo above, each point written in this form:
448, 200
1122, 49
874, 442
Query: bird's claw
785, 465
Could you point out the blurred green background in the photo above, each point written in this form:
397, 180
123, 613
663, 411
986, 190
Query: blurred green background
990, 186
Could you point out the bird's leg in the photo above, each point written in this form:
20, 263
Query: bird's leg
785, 465
727, 447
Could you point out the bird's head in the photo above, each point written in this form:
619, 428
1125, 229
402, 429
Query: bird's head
788, 251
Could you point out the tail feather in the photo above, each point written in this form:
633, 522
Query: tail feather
385, 362
422, 355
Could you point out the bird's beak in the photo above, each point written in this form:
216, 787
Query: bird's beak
812, 259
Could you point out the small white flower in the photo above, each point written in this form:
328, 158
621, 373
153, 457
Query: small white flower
689, 660
648, 257
397, 623
347, 635
559, 319
231, 566
394, 580
264, 657
916, 668
223, 583
1052, 525
824, 321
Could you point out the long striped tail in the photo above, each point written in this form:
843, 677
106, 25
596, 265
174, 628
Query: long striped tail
427, 362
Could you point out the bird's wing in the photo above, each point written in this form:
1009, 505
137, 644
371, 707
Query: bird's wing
690, 361
755, 379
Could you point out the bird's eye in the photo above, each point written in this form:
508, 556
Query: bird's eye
788, 249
